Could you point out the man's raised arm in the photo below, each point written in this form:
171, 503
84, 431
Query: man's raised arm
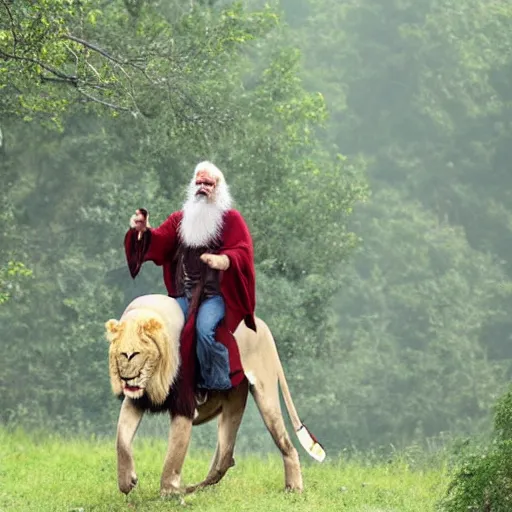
143, 243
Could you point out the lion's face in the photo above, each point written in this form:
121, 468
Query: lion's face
140, 358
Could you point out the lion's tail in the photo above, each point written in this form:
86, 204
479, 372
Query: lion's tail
309, 442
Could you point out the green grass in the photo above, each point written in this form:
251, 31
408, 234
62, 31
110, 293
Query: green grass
53, 474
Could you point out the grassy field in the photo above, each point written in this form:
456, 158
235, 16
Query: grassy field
80, 476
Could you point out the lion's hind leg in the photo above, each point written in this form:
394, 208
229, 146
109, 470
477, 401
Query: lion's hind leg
233, 408
267, 400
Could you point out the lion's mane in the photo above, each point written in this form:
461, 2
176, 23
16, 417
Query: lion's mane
144, 348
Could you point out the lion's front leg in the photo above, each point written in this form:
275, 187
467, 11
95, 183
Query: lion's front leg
179, 439
129, 421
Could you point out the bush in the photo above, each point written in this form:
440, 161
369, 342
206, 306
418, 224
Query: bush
483, 481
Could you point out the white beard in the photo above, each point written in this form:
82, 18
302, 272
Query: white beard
203, 220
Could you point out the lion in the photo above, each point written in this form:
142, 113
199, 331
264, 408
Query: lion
144, 362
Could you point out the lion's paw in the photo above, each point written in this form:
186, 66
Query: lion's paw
166, 492
127, 482
294, 488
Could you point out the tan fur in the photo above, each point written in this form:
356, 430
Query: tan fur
260, 361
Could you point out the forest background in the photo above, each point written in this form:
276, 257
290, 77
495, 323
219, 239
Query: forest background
366, 146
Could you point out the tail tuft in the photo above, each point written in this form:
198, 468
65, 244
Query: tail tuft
310, 443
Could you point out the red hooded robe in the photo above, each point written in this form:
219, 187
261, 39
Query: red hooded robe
237, 285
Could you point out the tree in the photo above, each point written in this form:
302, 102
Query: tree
250, 113
11, 243
53, 58
410, 319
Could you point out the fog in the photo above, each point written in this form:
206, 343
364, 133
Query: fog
367, 147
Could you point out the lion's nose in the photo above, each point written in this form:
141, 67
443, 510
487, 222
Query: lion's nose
129, 355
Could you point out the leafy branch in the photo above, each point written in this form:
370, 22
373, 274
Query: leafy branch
8, 276
62, 44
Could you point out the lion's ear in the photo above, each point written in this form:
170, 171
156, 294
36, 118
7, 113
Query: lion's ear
113, 328
152, 326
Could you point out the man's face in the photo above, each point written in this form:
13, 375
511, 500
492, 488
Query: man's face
205, 185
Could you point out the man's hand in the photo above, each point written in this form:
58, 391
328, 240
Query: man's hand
140, 221
216, 261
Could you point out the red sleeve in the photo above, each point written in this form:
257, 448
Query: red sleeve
156, 244
238, 281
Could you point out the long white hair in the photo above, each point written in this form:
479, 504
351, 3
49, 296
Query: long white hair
202, 216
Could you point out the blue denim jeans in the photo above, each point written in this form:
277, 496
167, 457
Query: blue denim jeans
212, 356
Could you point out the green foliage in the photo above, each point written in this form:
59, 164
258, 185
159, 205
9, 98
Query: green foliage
408, 339
258, 124
411, 355
53, 61
503, 417
12, 270
8, 278
483, 480
422, 316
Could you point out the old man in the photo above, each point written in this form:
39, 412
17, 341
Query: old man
206, 253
